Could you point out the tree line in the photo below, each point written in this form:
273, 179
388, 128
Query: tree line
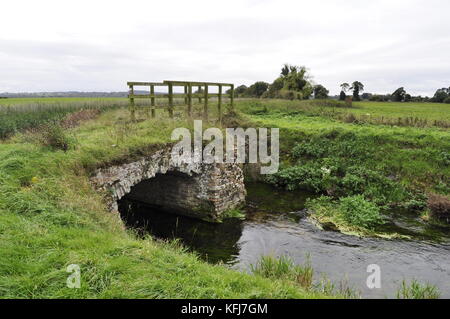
295, 83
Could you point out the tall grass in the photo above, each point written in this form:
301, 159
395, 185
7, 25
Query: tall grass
390, 114
17, 117
284, 268
416, 290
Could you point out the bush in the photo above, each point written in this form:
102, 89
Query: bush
439, 206
54, 136
298, 177
357, 211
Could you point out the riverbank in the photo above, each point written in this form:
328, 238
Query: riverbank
50, 218
362, 169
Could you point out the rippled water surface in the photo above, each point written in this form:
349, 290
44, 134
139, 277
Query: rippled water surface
276, 224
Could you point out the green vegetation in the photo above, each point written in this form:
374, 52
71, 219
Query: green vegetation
15, 116
283, 268
233, 213
386, 165
294, 83
353, 215
50, 217
417, 291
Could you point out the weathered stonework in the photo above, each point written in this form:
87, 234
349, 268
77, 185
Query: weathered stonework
198, 190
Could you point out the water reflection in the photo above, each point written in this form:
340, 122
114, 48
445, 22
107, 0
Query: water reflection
276, 224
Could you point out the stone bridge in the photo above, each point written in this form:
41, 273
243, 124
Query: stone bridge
199, 190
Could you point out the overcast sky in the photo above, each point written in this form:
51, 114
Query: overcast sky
100, 45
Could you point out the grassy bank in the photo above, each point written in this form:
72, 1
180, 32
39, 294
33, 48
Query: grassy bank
388, 165
50, 217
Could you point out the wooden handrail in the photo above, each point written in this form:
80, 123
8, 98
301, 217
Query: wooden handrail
187, 95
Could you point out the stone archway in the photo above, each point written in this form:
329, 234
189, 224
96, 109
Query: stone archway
199, 190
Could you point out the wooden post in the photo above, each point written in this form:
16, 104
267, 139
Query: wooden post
219, 104
205, 105
232, 96
185, 95
170, 100
199, 90
189, 100
132, 106
152, 93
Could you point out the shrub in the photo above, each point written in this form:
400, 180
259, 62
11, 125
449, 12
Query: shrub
374, 186
417, 291
439, 206
54, 136
299, 177
357, 211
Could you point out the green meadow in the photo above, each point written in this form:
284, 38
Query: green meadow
50, 216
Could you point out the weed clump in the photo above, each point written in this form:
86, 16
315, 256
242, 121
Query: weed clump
358, 211
417, 291
284, 268
54, 136
439, 206
352, 214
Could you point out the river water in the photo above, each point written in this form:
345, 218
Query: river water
276, 224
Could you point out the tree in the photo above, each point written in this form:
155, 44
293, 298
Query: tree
285, 70
366, 96
257, 89
399, 95
356, 88
275, 88
293, 83
320, 92
441, 95
408, 98
240, 90
345, 86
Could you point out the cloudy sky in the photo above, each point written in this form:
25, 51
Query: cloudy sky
99, 45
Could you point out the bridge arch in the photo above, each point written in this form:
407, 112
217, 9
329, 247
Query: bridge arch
198, 190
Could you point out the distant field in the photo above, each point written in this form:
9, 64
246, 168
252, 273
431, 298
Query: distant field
28, 100
431, 111
379, 113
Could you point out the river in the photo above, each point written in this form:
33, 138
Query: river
276, 224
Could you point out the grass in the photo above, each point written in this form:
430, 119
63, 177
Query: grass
388, 165
379, 113
50, 217
416, 290
429, 111
58, 100
18, 117
283, 268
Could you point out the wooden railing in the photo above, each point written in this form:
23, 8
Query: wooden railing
187, 95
